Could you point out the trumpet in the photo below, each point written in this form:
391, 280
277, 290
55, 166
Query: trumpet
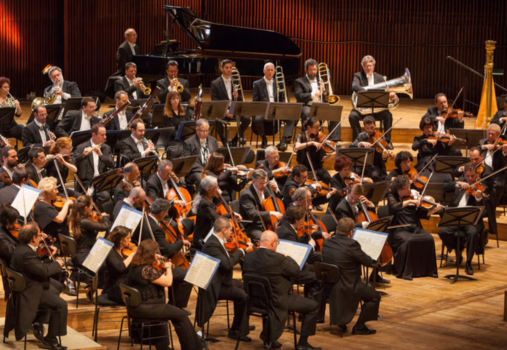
146, 90
178, 86
324, 78
9, 101
280, 84
236, 83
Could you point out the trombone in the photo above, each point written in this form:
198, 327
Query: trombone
324, 77
280, 84
236, 83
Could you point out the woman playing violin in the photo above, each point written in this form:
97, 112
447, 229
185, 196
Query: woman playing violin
403, 163
272, 165
116, 264
174, 112
8, 241
61, 151
227, 177
413, 247
428, 144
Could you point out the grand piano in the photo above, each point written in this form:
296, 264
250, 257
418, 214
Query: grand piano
249, 48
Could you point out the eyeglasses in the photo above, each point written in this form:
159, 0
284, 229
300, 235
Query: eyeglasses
277, 242
203, 131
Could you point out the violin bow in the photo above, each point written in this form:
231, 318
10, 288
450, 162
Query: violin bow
487, 177
61, 180
427, 164
381, 136
362, 173
311, 166
230, 154
325, 138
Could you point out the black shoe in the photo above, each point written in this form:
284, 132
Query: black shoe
52, 343
274, 345
307, 347
282, 146
390, 146
70, 288
380, 280
89, 294
363, 331
242, 141
251, 328
318, 207
264, 143
38, 331
234, 335
343, 328
234, 142
468, 269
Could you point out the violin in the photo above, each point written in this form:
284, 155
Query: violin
160, 262
480, 169
444, 138
454, 113
6, 178
43, 251
280, 175
428, 202
418, 181
59, 202
353, 179
328, 146
380, 143
472, 190
129, 250
179, 259
307, 229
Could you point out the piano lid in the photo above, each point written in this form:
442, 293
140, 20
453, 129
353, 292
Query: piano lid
220, 37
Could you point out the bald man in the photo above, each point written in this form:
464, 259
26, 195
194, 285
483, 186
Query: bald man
280, 270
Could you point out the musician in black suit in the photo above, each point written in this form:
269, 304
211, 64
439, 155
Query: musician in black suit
441, 124
222, 89
8, 193
9, 163
202, 144
297, 180
137, 146
271, 165
168, 84
121, 120
37, 131
472, 233
280, 270
223, 286
126, 51
39, 293
362, 79
350, 206
78, 120
8, 218
64, 89
343, 251
496, 160
483, 170
251, 199
135, 200
309, 89
131, 176
130, 84
38, 160
266, 89
501, 116
93, 158
159, 184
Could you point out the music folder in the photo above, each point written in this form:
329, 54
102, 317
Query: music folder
98, 254
372, 242
297, 251
202, 270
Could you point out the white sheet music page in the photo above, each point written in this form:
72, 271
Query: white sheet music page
25, 200
371, 242
98, 254
202, 270
297, 251
127, 217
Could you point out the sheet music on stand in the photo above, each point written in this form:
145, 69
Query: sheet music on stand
297, 251
239, 154
25, 200
97, 256
202, 270
372, 242
128, 217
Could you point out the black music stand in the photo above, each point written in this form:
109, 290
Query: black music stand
282, 111
72, 104
325, 111
156, 135
53, 113
285, 156
6, 116
358, 155
189, 129
372, 99
239, 154
447, 164
380, 225
376, 191
182, 166
78, 137
472, 137
146, 165
250, 109
216, 111
106, 181
460, 217
157, 116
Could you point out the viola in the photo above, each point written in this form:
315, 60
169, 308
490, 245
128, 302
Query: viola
59, 202
129, 250
43, 250
179, 259
418, 181
280, 175
428, 202
380, 143
328, 146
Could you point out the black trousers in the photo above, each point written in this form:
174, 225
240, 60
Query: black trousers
244, 124
449, 236
181, 288
355, 117
54, 311
308, 310
238, 296
371, 301
254, 231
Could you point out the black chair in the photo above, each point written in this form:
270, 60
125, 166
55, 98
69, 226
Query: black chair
108, 207
102, 301
260, 297
132, 298
329, 222
329, 274
270, 129
261, 155
382, 211
68, 249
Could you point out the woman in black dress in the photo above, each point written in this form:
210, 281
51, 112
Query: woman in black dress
8, 217
175, 112
413, 247
60, 156
151, 283
116, 264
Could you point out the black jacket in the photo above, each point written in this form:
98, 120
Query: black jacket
344, 210
129, 149
303, 90
260, 91
249, 202
454, 123
291, 184
72, 122
192, 147
85, 164
124, 55
32, 173
219, 91
123, 85
31, 136
8, 193
69, 87
115, 123
154, 187
360, 80
166, 249
163, 92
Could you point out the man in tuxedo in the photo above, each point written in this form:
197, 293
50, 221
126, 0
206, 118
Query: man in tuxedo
280, 270
202, 144
344, 252
222, 89
137, 146
501, 116
129, 83
362, 79
297, 180
168, 84
350, 207
496, 160
310, 89
435, 114
37, 132
131, 176
64, 89
266, 89
251, 200
223, 286
135, 200
159, 184
121, 120
38, 160
9, 163
92, 158
8, 193
271, 165
39, 293
126, 51
78, 120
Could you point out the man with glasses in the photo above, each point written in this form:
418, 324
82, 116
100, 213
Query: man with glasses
126, 51
202, 144
271, 165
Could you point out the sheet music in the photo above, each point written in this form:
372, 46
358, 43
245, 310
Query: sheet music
372, 242
202, 270
25, 200
297, 251
98, 254
127, 217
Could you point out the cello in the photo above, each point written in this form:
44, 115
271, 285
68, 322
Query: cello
238, 238
179, 259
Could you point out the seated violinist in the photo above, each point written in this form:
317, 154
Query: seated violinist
366, 139
135, 200
227, 178
463, 197
9, 162
403, 163
252, 199
8, 241
272, 165
60, 156
131, 176
154, 227
501, 116
223, 286
442, 121
428, 144
483, 170
341, 179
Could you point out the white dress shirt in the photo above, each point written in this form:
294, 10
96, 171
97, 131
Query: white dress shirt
371, 81
66, 96
42, 132
85, 122
132, 48
131, 82
165, 186
95, 159
8, 172
227, 82
260, 194
140, 146
269, 86
315, 89
122, 118
440, 125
